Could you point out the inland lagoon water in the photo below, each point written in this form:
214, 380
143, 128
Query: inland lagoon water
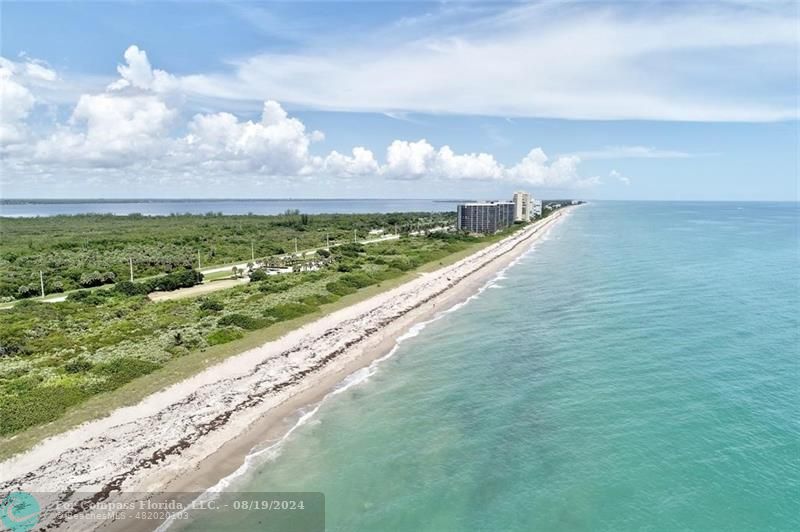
164, 207
637, 370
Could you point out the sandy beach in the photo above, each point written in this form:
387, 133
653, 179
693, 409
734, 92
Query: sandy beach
192, 434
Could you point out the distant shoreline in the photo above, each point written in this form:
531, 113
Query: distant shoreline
329, 349
56, 201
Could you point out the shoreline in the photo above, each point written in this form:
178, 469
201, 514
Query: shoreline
273, 426
212, 447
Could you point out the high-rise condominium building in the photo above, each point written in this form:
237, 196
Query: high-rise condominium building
485, 217
536, 207
522, 207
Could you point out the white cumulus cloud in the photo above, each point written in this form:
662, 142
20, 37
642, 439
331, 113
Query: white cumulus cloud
409, 160
134, 128
535, 169
277, 144
16, 99
39, 71
16, 102
416, 160
466, 166
361, 163
109, 129
137, 72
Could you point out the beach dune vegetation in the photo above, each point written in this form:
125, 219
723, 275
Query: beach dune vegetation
54, 356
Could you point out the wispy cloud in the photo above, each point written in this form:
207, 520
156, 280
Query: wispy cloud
634, 152
625, 61
619, 177
403, 116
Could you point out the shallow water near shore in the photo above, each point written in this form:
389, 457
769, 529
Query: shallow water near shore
637, 370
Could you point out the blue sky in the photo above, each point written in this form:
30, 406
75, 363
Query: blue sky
648, 100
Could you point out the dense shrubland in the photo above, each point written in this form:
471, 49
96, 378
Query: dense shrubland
86, 251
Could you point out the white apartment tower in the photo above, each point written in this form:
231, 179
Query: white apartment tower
522, 207
536, 207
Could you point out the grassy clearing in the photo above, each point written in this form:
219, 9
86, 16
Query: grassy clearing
217, 276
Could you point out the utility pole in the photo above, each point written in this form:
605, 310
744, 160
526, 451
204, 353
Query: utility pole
41, 281
130, 261
198, 260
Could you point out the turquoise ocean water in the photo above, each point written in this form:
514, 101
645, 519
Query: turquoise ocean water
638, 370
